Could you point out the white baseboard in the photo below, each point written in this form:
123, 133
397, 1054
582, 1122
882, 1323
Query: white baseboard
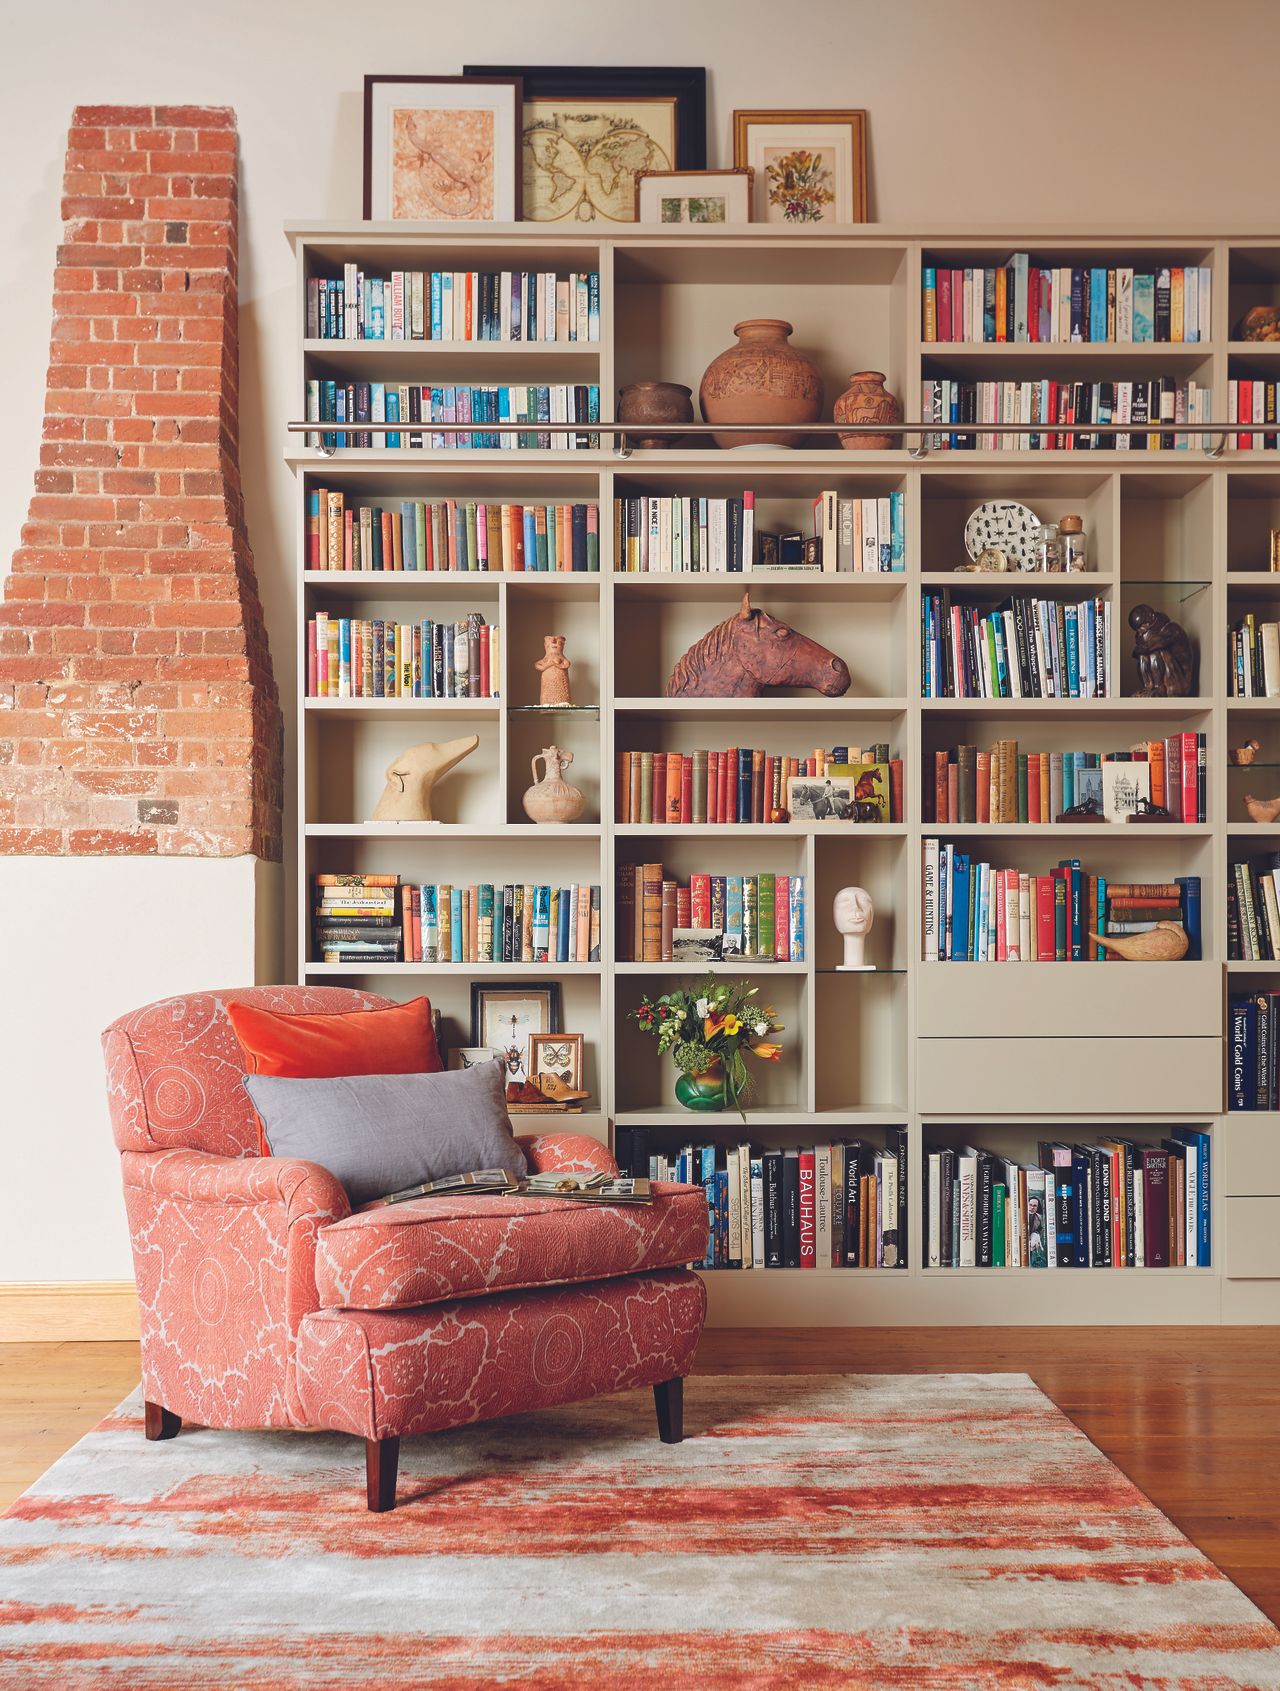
50, 1311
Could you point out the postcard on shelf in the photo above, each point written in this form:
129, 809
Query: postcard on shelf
1124, 786
697, 945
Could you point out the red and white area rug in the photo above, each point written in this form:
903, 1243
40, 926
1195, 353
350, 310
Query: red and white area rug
812, 1531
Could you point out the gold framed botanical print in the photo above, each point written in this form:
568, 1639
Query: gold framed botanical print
810, 167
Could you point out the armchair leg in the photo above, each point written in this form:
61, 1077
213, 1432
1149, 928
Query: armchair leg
160, 1423
381, 1458
668, 1398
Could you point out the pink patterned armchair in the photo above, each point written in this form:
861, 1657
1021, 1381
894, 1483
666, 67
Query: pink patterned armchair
266, 1303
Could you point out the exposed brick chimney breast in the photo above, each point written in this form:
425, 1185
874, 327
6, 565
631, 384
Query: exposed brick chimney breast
138, 711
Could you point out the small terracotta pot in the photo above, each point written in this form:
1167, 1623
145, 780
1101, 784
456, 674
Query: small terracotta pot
655, 402
763, 379
867, 400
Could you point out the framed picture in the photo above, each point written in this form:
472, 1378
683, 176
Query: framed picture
694, 199
471, 1056
810, 167
558, 1054
589, 132
503, 1017
442, 148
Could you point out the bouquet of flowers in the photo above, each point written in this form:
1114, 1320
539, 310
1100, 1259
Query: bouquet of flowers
712, 1026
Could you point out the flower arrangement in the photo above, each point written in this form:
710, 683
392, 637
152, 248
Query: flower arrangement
799, 182
711, 1027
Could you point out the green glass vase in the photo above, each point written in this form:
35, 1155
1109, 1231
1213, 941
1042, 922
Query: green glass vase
705, 1091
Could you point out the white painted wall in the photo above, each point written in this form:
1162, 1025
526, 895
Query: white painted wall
1009, 110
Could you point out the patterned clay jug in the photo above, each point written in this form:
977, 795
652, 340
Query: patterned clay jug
553, 799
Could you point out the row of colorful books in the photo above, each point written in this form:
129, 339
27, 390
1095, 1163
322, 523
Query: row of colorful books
820, 1206
454, 305
523, 417
1112, 1204
689, 534
1023, 649
1022, 301
1253, 658
1253, 1058
1250, 399
661, 920
1253, 909
1042, 409
370, 658
748, 784
450, 534
1009, 785
973, 912
519, 922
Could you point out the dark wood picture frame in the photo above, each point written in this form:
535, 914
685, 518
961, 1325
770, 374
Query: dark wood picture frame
482, 989
686, 84
501, 78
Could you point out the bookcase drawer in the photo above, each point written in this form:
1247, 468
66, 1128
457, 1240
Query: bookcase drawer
1250, 1160
1020, 1000
1068, 1076
1251, 1231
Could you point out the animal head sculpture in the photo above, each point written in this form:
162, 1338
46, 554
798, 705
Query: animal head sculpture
411, 776
750, 651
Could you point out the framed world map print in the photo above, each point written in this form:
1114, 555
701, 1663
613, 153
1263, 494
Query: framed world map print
442, 148
587, 136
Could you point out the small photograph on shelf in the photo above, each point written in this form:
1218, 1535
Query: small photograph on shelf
694, 199
810, 167
697, 945
503, 1017
442, 148
846, 793
588, 132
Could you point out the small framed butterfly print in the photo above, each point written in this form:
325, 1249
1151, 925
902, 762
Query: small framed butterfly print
558, 1054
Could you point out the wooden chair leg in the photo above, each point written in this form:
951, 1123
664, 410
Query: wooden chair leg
668, 1398
159, 1422
381, 1458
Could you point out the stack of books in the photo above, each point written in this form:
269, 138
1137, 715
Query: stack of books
1112, 1204
742, 784
450, 534
761, 917
454, 305
1009, 785
1253, 909
1040, 409
975, 913
369, 658
356, 918
529, 413
821, 1206
1253, 659
1021, 301
515, 923
1023, 649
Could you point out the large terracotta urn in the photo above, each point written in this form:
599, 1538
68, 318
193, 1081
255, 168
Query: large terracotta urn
867, 400
655, 402
763, 379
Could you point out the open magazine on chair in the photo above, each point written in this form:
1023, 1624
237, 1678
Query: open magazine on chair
594, 1188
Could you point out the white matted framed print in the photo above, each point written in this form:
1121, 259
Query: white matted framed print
442, 148
503, 1017
693, 199
810, 167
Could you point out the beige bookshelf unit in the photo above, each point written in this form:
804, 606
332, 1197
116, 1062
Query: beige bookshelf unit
1005, 1054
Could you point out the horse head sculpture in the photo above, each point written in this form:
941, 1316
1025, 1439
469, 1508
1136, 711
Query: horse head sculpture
750, 651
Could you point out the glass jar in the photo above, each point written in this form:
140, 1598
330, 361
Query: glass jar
1048, 550
1074, 545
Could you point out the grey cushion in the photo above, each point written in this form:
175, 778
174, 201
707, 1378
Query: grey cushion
378, 1133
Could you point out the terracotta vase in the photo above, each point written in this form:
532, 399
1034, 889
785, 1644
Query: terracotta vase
655, 402
704, 1091
763, 379
867, 400
552, 799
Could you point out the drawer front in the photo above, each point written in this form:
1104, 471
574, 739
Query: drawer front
1110, 1077
1250, 1158
1251, 1233
1026, 1000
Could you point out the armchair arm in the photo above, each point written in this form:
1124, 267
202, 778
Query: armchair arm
224, 1252
574, 1153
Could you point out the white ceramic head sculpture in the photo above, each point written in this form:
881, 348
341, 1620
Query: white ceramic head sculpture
854, 913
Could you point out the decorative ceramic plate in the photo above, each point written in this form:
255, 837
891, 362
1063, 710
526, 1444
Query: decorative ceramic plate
1006, 524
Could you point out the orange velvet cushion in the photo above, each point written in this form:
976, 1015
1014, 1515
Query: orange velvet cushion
396, 1040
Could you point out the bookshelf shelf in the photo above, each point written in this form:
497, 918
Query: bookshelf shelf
1180, 528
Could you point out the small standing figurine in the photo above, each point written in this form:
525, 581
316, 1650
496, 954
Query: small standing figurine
553, 667
1163, 655
854, 913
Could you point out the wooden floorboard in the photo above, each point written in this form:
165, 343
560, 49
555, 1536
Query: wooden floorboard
1191, 1415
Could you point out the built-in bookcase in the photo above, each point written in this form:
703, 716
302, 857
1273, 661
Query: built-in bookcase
1002, 1054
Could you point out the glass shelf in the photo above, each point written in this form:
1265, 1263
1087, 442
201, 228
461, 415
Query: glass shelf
553, 710
861, 974
1185, 589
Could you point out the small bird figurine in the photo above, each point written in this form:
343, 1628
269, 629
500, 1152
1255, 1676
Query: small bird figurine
1165, 943
1242, 756
1261, 810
